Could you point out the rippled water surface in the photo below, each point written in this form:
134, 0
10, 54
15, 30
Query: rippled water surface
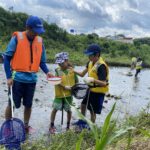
135, 93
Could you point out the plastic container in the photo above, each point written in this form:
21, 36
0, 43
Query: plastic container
54, 80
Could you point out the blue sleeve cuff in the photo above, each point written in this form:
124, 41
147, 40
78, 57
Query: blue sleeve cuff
44, 68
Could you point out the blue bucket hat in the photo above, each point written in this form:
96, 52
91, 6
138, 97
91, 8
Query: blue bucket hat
93, 49
61, 57
65, 55
35, 24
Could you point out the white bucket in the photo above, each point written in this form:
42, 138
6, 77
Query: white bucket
54, 80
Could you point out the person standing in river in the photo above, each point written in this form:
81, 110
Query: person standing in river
63, 96
98, 76
24, 55
138, 66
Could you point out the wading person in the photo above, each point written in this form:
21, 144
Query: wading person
98, 75
63, 97
138, 66
24, 55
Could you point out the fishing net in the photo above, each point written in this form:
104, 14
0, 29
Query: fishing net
80, 125
80, 90
12, 133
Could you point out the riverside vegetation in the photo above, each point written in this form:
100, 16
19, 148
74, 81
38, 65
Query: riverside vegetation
57, 39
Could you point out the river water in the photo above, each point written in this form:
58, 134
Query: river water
134, 93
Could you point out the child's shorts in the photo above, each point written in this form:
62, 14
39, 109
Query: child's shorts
66, 102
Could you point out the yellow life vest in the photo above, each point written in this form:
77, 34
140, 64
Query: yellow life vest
92, 72
139, 65
67, 80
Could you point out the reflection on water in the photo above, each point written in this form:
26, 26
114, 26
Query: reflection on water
135, 83
134, 92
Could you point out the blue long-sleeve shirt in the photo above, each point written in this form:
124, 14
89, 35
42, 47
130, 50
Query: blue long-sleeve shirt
25, 77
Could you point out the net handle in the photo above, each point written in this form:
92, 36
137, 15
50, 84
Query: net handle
62, 115
12, 103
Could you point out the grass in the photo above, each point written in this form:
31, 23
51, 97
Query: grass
78, 58
97, 138
133, 133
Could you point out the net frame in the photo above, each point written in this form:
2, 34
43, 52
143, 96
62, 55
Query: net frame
12, 131
80, 90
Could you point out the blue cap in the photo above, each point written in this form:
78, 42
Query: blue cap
35, 24
92, 49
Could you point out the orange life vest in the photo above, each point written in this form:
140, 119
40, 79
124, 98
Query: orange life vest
27, 57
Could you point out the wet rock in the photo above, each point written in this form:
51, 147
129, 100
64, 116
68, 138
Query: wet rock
2, 116
105, 101
44, 81
117, 97
5, 90
112, 96
36, 100
108, 95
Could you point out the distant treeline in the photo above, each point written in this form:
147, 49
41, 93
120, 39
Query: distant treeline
57, 39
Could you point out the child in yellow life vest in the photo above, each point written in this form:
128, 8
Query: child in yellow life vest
98, 76
138, 66
63, 97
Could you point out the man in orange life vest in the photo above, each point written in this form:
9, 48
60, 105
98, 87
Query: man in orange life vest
24, 55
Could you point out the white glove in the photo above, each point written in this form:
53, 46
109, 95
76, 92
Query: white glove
89, 80
67, 87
